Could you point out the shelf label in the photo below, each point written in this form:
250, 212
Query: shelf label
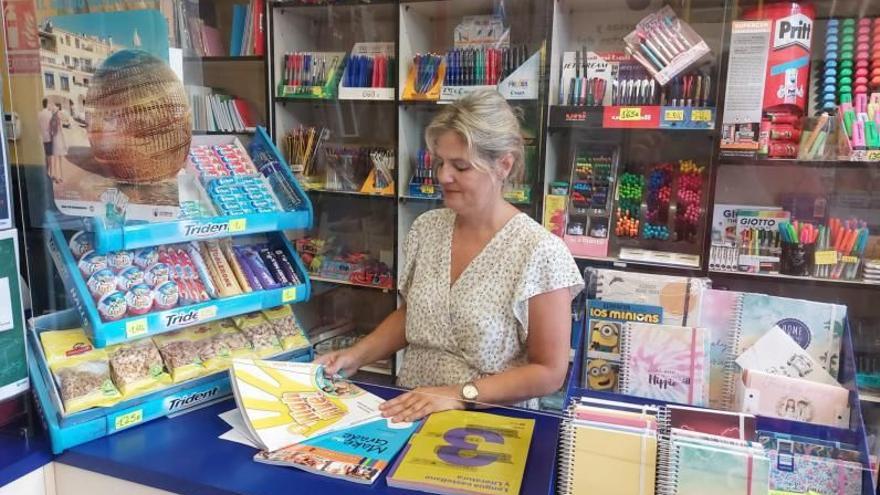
127, 420
701, 115
826, 257
872, 155
516, 195
674, 115
189, 317
237, 225
849, 259
136, 328
288, 294
629, 113
427, 189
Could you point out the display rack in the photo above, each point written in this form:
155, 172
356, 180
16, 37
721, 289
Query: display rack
69, 430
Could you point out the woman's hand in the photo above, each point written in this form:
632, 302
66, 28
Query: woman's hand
345, 362
418, 403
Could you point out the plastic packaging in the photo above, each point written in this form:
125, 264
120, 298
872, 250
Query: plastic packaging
137, 368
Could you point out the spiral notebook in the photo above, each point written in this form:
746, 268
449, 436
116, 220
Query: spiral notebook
665, 362
679, 297
816, 327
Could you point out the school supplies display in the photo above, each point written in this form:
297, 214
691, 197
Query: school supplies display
371, 72
735, 425
679, 297
425, 77
430, 462
665, 45
840, 248
301, 145
665, 362
778, 354
217, 112
424, 182
780, 396
589, 210
482, 66
310, 74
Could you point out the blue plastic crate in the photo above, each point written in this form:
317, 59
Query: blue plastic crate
114, 332
69, 430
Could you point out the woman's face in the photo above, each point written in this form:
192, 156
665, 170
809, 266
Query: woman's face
465, 187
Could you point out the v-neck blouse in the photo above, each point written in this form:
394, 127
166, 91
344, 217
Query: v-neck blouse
478, 325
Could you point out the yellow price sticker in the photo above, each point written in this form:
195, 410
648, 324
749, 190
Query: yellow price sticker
136, 328
238, 225
673, 115
630, 113
288, 294
872, 155
207, 312
701, 115
129, 419
826, 257
427, 189
849, 259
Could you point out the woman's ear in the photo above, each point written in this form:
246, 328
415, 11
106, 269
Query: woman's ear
505, 165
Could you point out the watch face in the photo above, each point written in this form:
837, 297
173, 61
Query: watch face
469, 392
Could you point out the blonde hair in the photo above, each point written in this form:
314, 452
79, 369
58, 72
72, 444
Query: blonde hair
487, 124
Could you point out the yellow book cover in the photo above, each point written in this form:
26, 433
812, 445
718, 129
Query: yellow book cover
612, 462
463, 452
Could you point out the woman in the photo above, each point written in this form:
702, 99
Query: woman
487, 290
59, 145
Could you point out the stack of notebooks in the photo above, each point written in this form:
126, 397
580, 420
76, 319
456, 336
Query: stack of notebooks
217, 112
191, 26
808, 465
298, 418
248, 36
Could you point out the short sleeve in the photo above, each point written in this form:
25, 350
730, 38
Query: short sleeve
549, 267
410, 254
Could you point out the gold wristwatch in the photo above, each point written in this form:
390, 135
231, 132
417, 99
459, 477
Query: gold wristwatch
470, 393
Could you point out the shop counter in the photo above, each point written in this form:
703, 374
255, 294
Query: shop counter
20, 456
184, 455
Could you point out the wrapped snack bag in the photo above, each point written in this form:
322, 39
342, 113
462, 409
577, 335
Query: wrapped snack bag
137, 368
286, 327
261, 334
180, 351
227, 342
81, 372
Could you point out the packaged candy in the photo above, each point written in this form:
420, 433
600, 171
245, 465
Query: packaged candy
146, 257
101, 283
261, 334
274, 267
137, 368
224, 279
180, 352
249, 275
90, 263
286, 327
81, 243
166, 296
120, 260
257, 267
82, 373
129, 277
236, 267
139, 299
286, 266
204, 275
157, 274
112, 306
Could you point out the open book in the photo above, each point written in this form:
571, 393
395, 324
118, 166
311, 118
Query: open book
300, 418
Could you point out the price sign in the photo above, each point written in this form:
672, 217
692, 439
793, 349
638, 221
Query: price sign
701, 115
673, 115
428, 190
630, 113
136, 328
128, 419
207, 312
288, 294
238, 225
517, 195
872, 155
849, 259
826, 257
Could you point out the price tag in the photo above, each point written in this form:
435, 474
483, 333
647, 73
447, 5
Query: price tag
849, 259
128, 419
516, 196
428, 190
872, 155
673, 115
630, 113
207, 312
136, 328
701, 115
288, 294
826, 257
238, 225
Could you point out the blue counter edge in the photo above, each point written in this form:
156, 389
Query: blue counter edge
37, 453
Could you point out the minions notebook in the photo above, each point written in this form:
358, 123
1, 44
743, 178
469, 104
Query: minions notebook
286, 403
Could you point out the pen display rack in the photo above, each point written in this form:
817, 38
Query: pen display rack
370, 73
311, 75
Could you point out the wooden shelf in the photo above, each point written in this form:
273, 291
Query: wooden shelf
350, 193
224, 58
810, 280
315, 278
223, 133
783, 162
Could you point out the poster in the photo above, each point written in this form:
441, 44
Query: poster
13, 361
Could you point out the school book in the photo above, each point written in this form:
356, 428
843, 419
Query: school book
778, 354
239, 12
665, 362
719, 315
802, 473
784, 397
357, 454
727, 424
797, 444
464, 452
605, 321
284, 404
679, 297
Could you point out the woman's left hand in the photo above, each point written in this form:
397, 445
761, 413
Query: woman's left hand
418, 403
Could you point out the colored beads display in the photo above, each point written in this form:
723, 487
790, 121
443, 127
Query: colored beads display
689, 198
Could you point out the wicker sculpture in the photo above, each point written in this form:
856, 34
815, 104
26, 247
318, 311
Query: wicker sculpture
139, 120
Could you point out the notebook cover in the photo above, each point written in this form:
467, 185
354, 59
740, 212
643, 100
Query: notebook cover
718, 315
239, 12
810, 324
612, 462
778, 354
808, 473
722, 423
678, 296
666, 362
726, 471
790, 398
211, 42
809, 446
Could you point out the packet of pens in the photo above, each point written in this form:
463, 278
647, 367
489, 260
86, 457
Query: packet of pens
370, 74
840, 249
798, 248
665, 45
816, 138
310, 75
859, 121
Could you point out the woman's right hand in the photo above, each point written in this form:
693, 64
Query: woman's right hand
344, 363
